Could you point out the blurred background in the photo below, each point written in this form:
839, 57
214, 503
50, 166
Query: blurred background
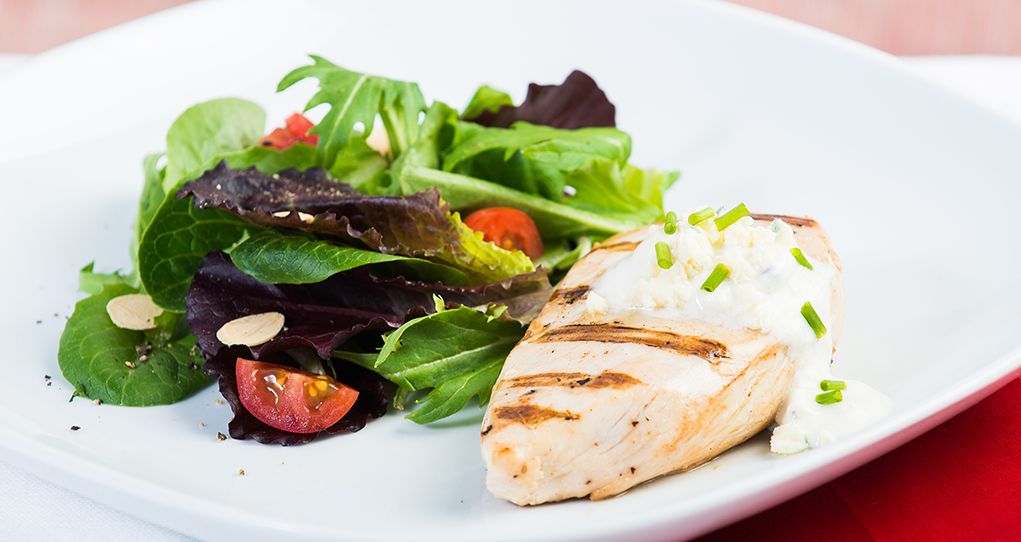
900, 27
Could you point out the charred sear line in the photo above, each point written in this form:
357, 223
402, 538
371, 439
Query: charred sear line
531, 414
617, 247
706, 349
790, 220
570, 295
575, 380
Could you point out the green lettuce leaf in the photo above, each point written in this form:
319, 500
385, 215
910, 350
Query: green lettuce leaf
486, 99
533, 159
94, 352
630, 193
436, 134
357, 98
458, 353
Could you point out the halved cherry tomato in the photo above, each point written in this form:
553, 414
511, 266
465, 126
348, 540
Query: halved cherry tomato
508, 228
291, 399
295, 132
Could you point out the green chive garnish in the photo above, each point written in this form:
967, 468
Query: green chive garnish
829, 398
670, 226
719, 273
698, 217
800, 257
730, 217
663, 255
832, 385
813, 320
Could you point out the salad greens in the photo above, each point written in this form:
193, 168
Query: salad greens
363, 250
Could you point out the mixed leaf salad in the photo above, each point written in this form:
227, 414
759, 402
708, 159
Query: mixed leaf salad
357, 241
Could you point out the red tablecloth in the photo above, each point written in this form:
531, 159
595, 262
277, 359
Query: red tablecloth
960, 481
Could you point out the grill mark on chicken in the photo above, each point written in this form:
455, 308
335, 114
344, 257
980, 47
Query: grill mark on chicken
530, 414
570, 295
804, 222
706, 349
617, 247
573, 380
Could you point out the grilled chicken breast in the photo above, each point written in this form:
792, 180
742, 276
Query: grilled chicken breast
592, 404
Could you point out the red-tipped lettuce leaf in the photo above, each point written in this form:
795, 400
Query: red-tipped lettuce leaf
325, 314
419, 225
576, 103
372, 400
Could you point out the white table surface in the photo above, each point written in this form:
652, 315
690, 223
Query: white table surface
32, 509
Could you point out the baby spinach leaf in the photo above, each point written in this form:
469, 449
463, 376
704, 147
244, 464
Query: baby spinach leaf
208, 130
94, 353
358, 98
534, 159
275, 257
576, 103
458, 353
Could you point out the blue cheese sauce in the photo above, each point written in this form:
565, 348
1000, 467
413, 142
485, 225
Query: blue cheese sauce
764, 291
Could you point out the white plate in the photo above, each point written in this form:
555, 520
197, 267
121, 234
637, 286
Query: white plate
917, 188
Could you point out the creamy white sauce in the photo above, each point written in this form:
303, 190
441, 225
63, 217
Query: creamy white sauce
764, 291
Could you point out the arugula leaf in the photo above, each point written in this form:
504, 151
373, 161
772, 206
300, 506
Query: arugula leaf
534, 159
554, 220
486, 99
576, 103
93, 354
93, 283
208, 130
459, 353
356, 97
275, 257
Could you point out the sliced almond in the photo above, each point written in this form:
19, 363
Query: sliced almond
305, 217
251, 330
133, 311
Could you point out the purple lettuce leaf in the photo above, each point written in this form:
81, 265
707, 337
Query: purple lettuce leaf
372, 399
576, 103
419, 225
325, 314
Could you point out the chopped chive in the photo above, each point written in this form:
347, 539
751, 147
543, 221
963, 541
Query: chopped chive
813, 320
829, 398
832, 385
719, 273
670, 226
663, 256
800, 257
730, 217
698, 217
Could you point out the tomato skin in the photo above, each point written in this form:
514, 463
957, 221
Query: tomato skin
295, 132
291, 399
507, 228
